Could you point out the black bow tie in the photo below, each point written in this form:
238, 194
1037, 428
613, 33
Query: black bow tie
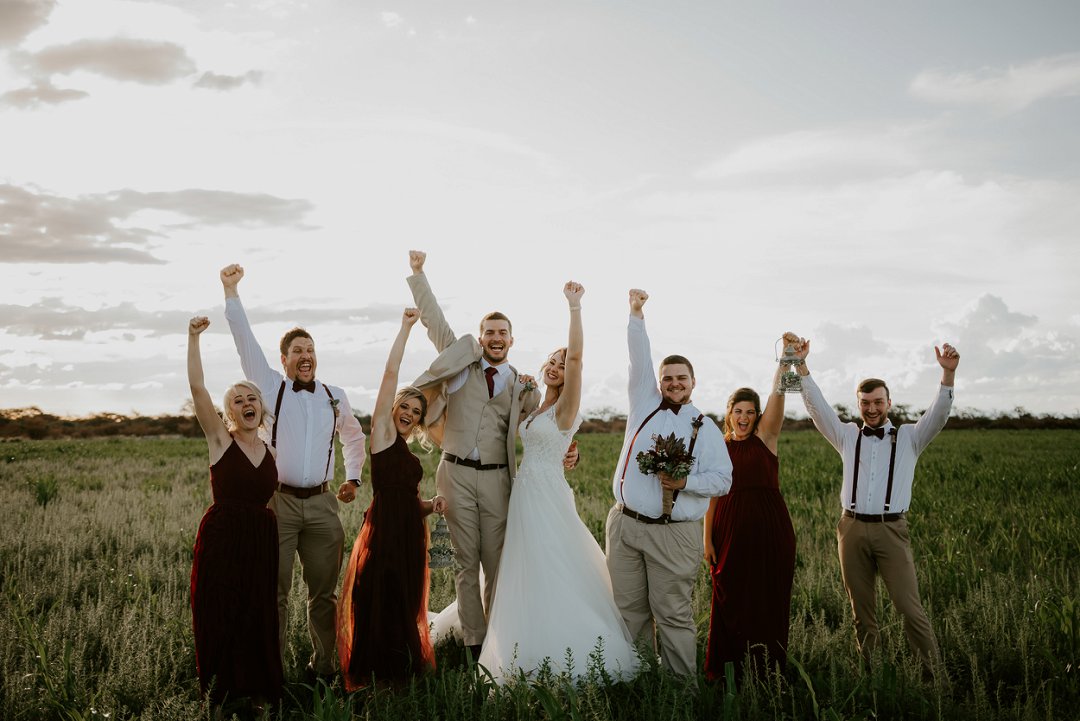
878, 432
666, 405
301, 386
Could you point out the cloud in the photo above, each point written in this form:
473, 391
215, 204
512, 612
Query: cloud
1005, 354
53, 319
150, 62
391, 19
1010, 89
39, 93
19, 18
847, 150
214, 81
1007, 359
38, 227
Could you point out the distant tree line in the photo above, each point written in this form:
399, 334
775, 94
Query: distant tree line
33, 423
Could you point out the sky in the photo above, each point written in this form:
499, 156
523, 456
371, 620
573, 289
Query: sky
877, 177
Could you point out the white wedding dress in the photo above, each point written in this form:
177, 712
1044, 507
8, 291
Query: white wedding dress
553, 591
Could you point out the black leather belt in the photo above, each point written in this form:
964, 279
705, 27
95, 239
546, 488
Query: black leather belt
302, 493
873, 517
647, 519
470, 463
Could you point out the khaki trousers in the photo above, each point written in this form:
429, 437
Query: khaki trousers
653, 568
311, 529
867, 549
476, 518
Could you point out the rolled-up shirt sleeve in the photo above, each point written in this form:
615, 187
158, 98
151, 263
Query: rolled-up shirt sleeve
711, 475
352, 440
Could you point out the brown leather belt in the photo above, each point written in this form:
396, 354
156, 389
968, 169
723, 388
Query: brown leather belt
470, 463
302, 493
874, 517
647, 519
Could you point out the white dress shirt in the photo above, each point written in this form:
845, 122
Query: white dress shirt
306, 421
911, 440
711, 473
501, 376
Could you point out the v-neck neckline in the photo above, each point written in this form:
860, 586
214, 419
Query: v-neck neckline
254, 465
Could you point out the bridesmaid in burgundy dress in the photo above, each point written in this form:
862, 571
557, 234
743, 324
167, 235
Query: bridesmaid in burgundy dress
382, 624
750, 543
234, 571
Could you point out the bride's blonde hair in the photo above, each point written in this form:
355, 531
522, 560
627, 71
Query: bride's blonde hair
543, 365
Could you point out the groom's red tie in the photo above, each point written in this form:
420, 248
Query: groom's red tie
490, 373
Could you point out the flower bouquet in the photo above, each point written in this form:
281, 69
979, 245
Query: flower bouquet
668, 455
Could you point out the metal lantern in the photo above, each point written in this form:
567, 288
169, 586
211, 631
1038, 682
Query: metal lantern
790, 381
440, 552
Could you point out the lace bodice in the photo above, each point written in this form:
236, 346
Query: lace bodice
544, 444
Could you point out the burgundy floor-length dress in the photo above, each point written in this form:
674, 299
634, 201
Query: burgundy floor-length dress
755, 549
382, 615
234, 582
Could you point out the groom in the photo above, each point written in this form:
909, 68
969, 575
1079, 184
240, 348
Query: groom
654, 558
475, 402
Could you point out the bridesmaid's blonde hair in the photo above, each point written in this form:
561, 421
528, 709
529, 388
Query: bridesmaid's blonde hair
230, 422
419, 432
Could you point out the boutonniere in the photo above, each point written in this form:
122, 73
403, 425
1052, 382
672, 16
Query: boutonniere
334, 404
529, 386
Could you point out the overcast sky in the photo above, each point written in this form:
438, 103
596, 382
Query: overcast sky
877, 177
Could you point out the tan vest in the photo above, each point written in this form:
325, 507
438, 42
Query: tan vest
475, 421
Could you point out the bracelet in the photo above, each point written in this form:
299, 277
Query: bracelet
575, 307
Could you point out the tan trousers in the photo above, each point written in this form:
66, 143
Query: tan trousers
476, 518
653, 568
867, 549
311, 529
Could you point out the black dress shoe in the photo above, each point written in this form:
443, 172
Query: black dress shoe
475, 651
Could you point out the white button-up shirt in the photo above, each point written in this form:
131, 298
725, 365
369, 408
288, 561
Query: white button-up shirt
711, 473
306, 422
911, 440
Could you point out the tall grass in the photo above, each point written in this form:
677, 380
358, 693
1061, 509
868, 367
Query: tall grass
95, 555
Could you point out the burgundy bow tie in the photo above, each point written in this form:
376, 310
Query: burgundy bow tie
666, 405
878, 432
298, 386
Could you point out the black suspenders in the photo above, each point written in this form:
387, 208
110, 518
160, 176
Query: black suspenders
696, 423
333, 427
892, 465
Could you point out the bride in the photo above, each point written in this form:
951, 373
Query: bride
553, 601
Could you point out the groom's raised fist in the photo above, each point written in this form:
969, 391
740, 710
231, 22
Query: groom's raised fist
416, 261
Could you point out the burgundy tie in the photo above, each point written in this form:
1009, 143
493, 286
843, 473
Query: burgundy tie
490, 373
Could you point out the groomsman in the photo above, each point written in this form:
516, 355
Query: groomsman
879, 470
654, 558
307, 416
476, 400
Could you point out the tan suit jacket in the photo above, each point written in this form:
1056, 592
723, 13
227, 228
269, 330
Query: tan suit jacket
456, 354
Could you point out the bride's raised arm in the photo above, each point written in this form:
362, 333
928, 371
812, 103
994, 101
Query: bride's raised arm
566, 408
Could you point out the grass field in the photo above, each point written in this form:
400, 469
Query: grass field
96, 549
